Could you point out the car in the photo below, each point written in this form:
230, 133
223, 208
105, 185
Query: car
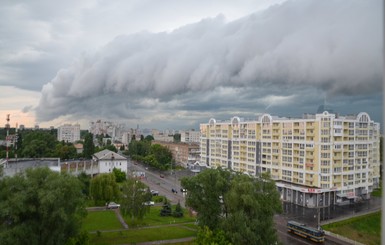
154, 193
174, 191
112, 205
161, 175
149, 203
183, 190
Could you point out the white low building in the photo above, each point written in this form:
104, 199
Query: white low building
108, 160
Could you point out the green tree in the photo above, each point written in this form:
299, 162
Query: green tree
177, 138
205, 192
166, 209
138, 149
40, 206
251, 205
239, 205
149, 138
178, 212
38, 144
206, 236
81, 239
103, 189
65, 150
120, 176
162, 155
88, 147
86, 181
134, 195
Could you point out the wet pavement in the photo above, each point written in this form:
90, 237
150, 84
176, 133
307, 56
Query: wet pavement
309, 216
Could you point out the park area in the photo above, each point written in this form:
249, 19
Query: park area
104, 228
365, 229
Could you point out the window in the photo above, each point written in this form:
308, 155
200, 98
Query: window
324, 132
325, 178
325, 140
325, 155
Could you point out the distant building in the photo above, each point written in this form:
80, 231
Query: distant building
108, 160
184, 154
68, 133
164, 136
317, 160
126, 138
190, 136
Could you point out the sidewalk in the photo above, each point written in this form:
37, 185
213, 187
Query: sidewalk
120, 218
185, 239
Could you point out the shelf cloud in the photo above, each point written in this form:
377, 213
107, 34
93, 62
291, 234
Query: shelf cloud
263, 60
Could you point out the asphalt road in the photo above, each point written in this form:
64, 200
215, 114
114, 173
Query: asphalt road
289, 238
163, 185
290, 211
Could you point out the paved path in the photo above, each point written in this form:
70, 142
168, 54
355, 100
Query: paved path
185, 239
120, 218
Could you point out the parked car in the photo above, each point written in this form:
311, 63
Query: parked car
154, 193
112, 205
183, 190
149, 203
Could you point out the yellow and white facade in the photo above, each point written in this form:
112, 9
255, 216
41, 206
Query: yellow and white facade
317, 160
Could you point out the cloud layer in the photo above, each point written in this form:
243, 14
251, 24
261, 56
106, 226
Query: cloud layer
269, 58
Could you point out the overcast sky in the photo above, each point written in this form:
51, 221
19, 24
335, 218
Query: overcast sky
174, 64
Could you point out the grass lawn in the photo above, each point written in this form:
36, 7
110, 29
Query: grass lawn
141, 235
101, 220
154, 218
365, 229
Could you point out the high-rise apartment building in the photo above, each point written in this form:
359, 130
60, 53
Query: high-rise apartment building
68, 133
317, 160
190, 136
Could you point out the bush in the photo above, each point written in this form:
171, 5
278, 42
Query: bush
159, 199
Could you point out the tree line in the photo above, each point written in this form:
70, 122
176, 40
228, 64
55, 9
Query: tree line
40, 206
155, 155
44, 143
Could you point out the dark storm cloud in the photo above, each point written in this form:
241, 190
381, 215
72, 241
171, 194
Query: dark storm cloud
262, 61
